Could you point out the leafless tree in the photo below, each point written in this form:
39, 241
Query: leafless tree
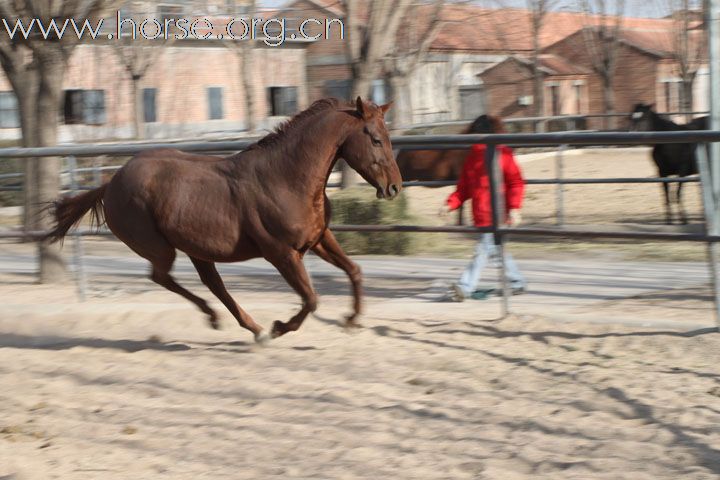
538, 9
35, 67
688, 47
409, 51
368, 43
243, 48
601, 35
137, 54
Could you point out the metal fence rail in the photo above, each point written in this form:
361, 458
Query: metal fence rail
443, 142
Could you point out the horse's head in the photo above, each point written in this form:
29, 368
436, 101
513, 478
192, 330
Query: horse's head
369, 152
641, 118
486, 124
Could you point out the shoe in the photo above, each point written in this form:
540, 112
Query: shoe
519, 290
482, 294
513, 290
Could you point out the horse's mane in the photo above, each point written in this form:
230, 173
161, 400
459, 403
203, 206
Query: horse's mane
289, 126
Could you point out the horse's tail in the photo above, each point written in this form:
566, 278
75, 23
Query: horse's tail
70, 210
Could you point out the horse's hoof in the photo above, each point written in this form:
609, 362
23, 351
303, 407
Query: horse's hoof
263, 338
278, 329
352, 325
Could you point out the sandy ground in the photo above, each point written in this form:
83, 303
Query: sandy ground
133, 384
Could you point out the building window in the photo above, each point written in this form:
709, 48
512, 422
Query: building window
283, 101
9, 113
84, 107
472, 102
150, 105
73, 108
94, 107
338, 89
172, 13
169, 12
215, 102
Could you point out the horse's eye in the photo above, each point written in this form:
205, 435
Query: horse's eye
376, 142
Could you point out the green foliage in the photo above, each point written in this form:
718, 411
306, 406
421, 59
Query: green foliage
359, 206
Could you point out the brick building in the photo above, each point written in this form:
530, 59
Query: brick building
450, 83
192, 89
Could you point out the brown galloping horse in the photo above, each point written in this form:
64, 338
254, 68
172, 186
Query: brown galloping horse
266, 201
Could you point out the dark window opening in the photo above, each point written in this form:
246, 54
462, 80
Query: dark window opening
215, 102
283, 101
9, 112
150, 105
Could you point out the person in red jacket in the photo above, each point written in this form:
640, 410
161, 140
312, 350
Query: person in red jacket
474, 184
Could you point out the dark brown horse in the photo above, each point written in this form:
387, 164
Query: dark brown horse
442, 165
429, 165
266, 201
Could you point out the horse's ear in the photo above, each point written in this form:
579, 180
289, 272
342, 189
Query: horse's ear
386, 107
360, 105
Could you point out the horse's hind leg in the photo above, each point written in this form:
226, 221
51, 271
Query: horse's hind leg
211, 278
136, 229
291, 267
329, 250
160, 274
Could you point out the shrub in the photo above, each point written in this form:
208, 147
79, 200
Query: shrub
359, 206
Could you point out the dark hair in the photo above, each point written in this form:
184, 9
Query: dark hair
486, 124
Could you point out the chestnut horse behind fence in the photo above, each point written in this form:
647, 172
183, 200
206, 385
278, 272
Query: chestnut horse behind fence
441, 165
266, 201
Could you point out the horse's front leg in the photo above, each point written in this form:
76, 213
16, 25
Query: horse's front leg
681, 207
329, 250
290, 266
668, 211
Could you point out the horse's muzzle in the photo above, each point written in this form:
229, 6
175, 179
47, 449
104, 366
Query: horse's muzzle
389, 193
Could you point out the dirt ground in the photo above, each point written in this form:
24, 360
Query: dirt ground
133, 384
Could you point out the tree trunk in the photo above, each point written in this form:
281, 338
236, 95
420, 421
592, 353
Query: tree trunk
360, 88
51, 69
402, 106
609, 100
25, 86
248, 86
538, 84
138, 111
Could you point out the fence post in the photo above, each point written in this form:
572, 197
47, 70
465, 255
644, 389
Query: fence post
497, 204
78, 257
559, 188
710, 207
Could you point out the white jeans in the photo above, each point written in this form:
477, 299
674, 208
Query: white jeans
486, 249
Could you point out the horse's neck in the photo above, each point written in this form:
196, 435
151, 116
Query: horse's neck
306, 159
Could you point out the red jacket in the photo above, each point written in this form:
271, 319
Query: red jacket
474, 183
